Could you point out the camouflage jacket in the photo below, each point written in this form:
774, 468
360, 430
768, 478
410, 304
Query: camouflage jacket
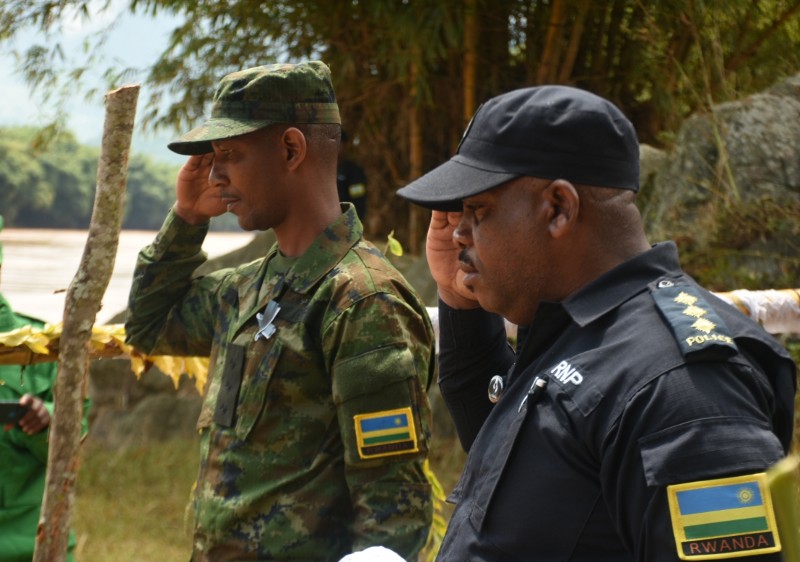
312, 438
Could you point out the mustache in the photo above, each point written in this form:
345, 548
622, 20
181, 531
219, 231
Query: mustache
464, 258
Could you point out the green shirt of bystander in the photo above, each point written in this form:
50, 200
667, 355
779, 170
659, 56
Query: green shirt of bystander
23, 457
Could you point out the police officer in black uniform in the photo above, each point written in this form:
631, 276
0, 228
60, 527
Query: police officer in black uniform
638, 418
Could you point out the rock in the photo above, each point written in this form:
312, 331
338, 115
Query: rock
728, 193
157, 417
127, 411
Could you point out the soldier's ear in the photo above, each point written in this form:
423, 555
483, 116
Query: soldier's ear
295, 147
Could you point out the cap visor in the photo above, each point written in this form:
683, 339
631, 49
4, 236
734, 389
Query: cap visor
190, 148
443, 188
198, 140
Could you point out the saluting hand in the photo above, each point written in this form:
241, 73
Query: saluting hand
197, 199
442, 253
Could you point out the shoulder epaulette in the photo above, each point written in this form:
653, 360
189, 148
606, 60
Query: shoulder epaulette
699, 330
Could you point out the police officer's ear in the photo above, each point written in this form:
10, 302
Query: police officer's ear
563, 207
294, 146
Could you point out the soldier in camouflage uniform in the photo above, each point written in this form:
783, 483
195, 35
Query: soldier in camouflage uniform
315, 423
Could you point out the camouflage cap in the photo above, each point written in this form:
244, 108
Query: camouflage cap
251, 99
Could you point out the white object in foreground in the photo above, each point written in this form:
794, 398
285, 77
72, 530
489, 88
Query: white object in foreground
373, 554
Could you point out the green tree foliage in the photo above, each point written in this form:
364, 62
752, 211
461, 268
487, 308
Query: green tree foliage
21, 179
400, 67
53, 186
150, 193
67, 165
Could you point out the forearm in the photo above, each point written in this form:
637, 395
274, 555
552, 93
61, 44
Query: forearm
473, 347
161, 284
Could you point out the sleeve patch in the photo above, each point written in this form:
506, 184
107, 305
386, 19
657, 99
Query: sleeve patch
723, 518
386, 433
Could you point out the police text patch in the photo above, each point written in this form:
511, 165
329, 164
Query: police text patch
723, 518
386, 433
697, 327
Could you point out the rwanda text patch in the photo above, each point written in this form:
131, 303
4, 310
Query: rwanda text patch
724, 518
381, 434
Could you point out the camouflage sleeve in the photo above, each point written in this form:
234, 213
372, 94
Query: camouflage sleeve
382, 361
169, 312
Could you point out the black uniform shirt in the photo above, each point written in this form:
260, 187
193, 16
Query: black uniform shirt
651, 381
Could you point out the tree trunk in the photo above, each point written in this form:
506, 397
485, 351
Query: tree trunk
602, 51
548, 69
615, 38
470, 58
748, 51
82, 303
415, 225
574, 42
532, 57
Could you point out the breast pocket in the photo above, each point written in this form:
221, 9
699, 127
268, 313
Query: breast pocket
237, 392
259, 368
494, 466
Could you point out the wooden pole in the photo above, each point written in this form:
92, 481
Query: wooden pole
81, 306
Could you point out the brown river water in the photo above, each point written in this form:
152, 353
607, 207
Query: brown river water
39, 264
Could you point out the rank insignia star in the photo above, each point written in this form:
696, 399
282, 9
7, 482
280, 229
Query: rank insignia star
684, 298
266, 328
704, 325
694, 311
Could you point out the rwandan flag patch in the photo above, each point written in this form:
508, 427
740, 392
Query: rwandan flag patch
386, 433
725, 518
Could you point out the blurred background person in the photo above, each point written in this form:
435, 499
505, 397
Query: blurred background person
351, 180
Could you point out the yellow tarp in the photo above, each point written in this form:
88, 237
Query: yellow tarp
32, 345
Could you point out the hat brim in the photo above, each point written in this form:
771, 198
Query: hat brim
198, 140
444, 187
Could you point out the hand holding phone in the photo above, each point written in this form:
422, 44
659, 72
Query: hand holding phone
11, 412
29, 414
37, 417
